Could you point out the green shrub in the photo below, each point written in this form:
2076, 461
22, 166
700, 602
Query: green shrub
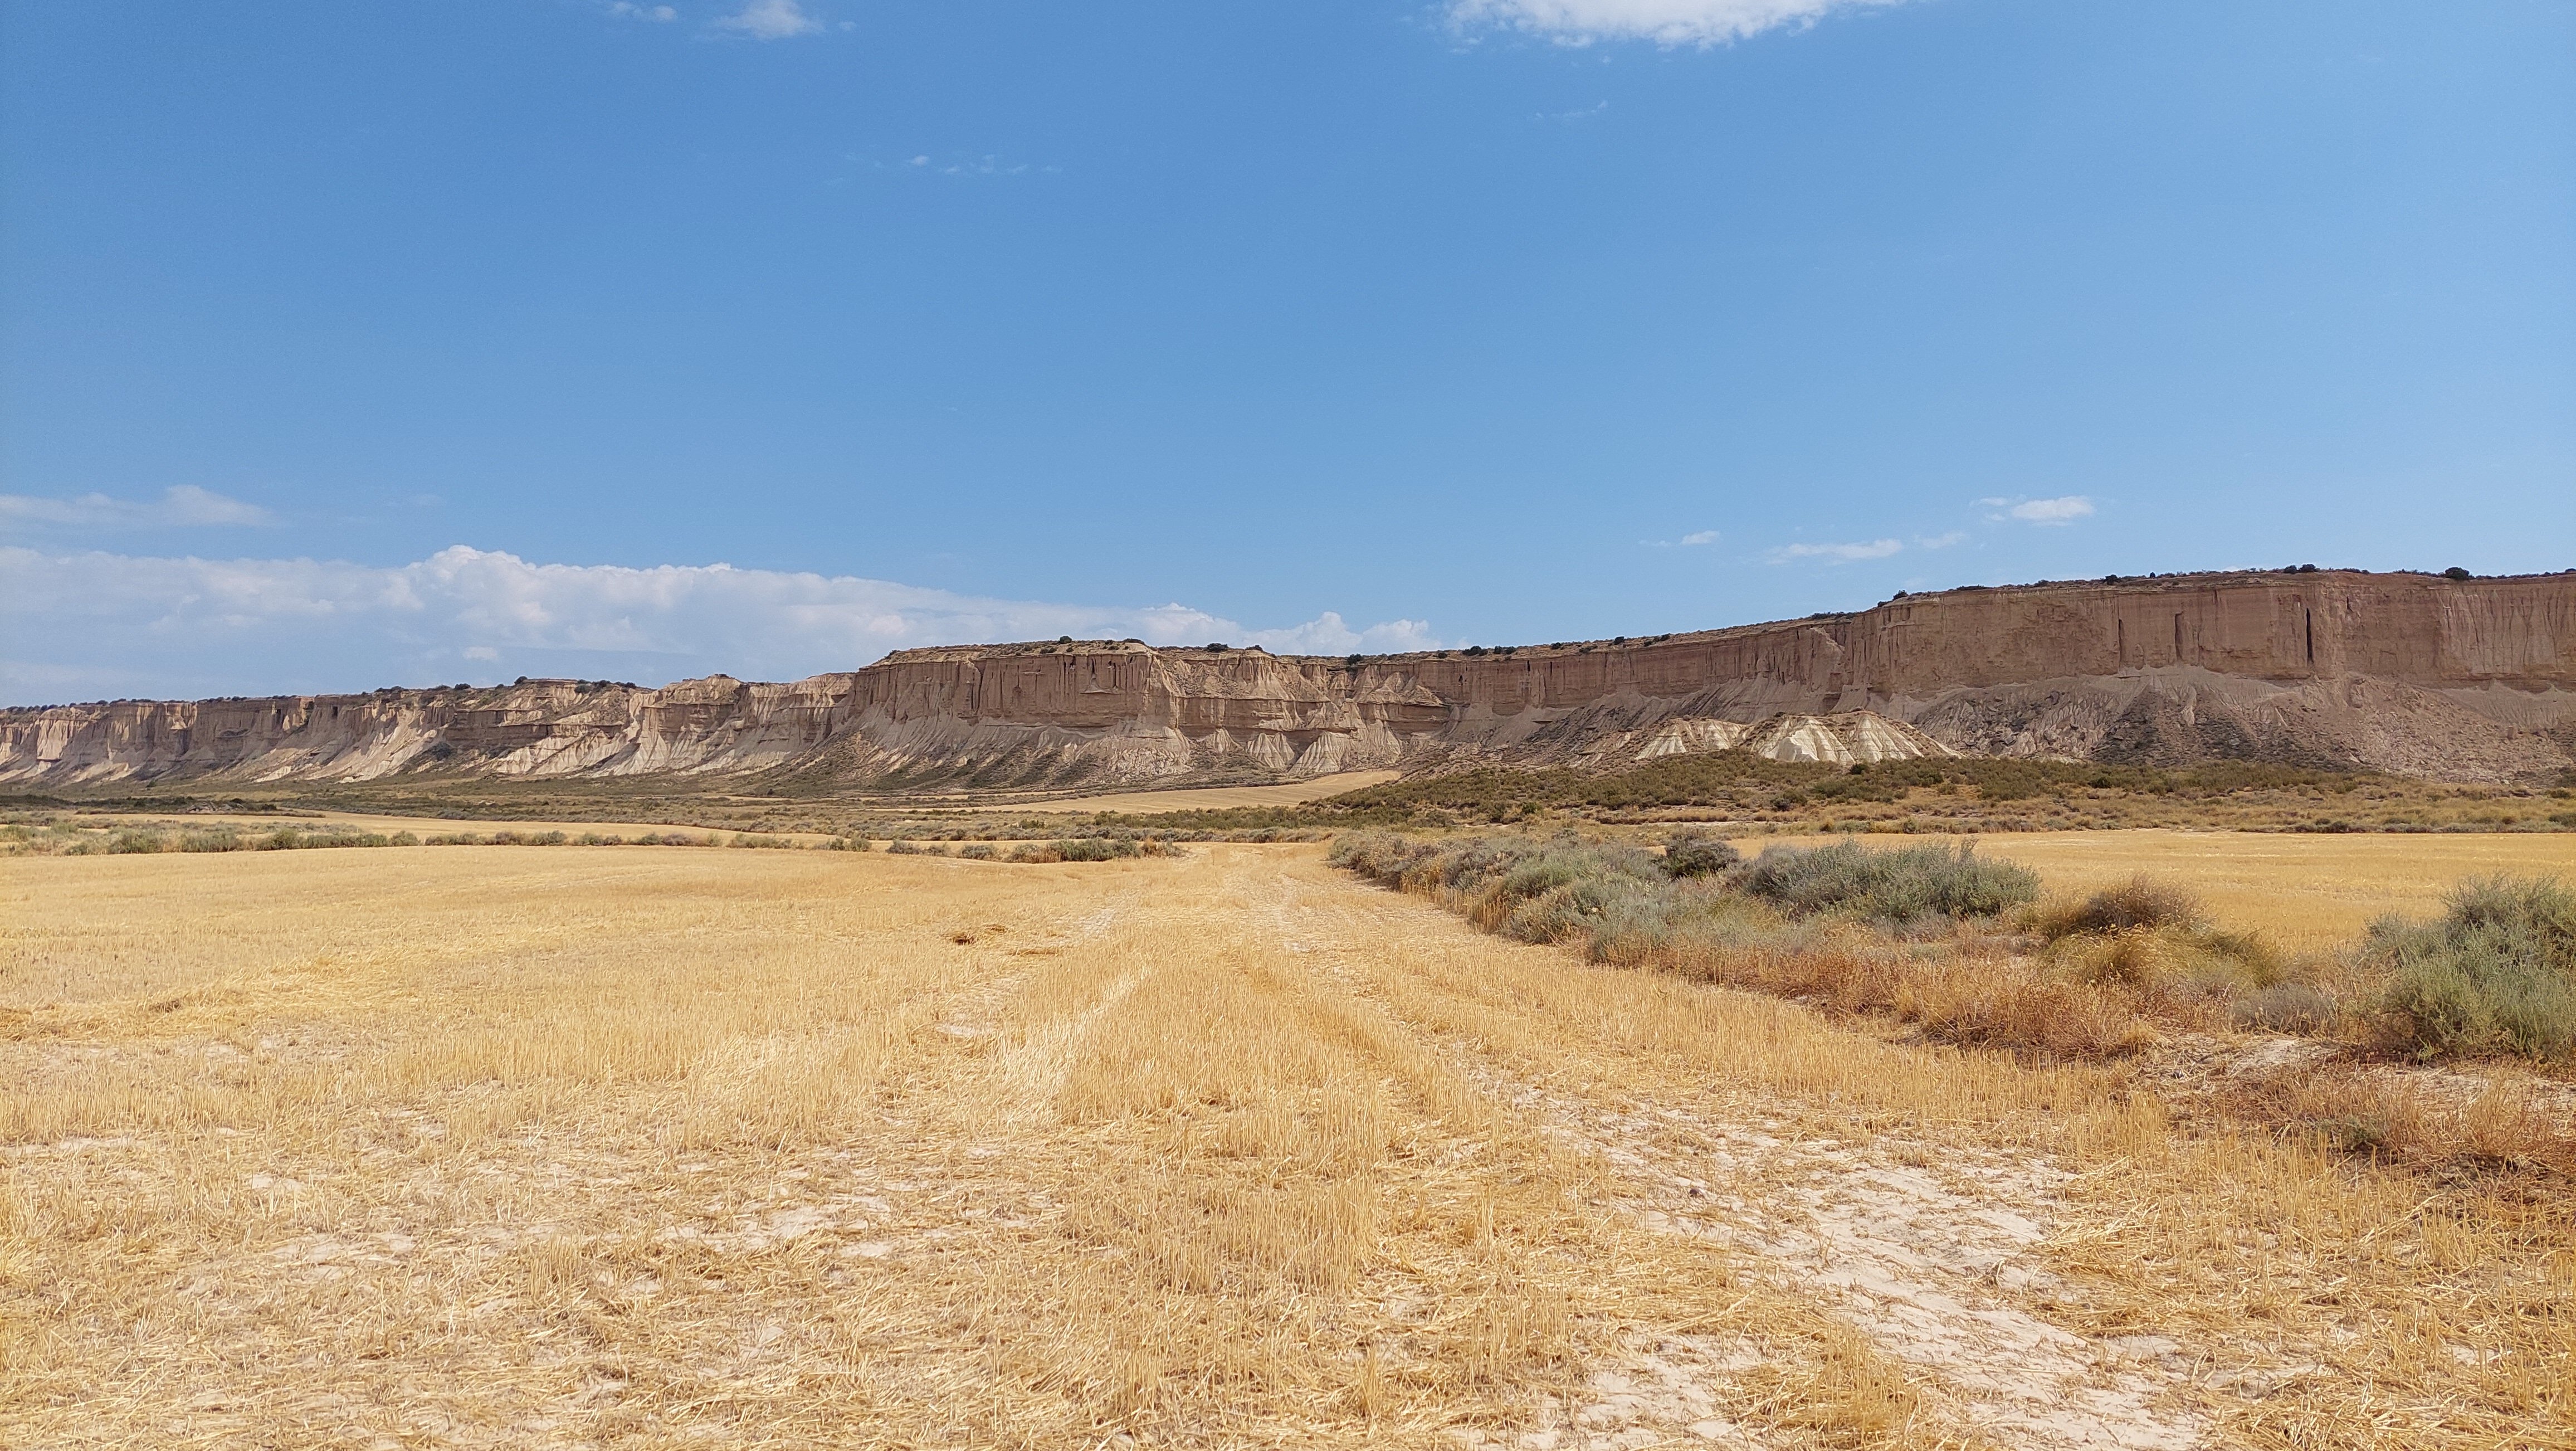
1691, 854
1597, 905
130, 842
1380, 856
1894, 886
2496, 973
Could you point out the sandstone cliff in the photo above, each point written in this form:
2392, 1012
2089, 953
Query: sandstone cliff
2470, 679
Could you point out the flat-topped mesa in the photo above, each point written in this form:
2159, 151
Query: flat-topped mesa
2466, 679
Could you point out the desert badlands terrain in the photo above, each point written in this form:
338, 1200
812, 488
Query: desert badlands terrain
2415, 674
2135, 1014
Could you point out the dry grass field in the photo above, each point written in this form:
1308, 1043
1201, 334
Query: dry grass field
2303, 891
474, 1146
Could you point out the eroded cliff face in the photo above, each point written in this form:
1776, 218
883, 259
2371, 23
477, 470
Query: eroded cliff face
2471, 680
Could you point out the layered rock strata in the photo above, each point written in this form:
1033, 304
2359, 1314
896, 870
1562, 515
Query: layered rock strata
2419, 674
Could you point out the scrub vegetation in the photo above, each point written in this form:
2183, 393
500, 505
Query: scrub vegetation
1746, 793
1962, 946
2496, 973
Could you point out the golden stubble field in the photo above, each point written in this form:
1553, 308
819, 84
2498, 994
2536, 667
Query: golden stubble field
2304, 891
625, 1146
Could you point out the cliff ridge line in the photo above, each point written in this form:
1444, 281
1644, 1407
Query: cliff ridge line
2419, 674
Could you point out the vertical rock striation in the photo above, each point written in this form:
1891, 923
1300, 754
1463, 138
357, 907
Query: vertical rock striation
2463, 679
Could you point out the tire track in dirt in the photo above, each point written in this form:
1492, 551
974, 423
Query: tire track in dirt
1937, 1262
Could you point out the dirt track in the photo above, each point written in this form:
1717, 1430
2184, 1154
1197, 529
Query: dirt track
475, 1146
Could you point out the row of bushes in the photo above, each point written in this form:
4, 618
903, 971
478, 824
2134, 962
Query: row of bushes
1071, 849
1561, 881
1177, 826
1898, 932
1962, 946
1713, 777
133, 841
136, 841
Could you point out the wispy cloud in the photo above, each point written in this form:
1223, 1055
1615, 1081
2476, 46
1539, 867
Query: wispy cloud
1835, 553
1943, 541
1693, 540
771, 20
2065, 509
1326, 634
659, 14
99, 623
181, 507
1665, 22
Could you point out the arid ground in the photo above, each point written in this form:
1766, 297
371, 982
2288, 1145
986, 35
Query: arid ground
492, 1146
2305, 892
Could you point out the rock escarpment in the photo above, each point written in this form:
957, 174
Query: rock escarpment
2461, 679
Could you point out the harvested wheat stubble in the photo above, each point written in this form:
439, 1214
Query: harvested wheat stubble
457, 1147
2303, 892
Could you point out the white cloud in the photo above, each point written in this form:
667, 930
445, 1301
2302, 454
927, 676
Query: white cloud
1834, 553
1704, 536
771, 20
659, 14
1326, 634
181, 507
101, 623
1666, 22
1692, 540
2064, 510
1943, 541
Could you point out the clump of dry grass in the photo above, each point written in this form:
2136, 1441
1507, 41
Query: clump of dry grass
2500, 1120
2142, 902
2152, 940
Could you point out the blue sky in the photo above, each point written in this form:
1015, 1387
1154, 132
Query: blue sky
354, 344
